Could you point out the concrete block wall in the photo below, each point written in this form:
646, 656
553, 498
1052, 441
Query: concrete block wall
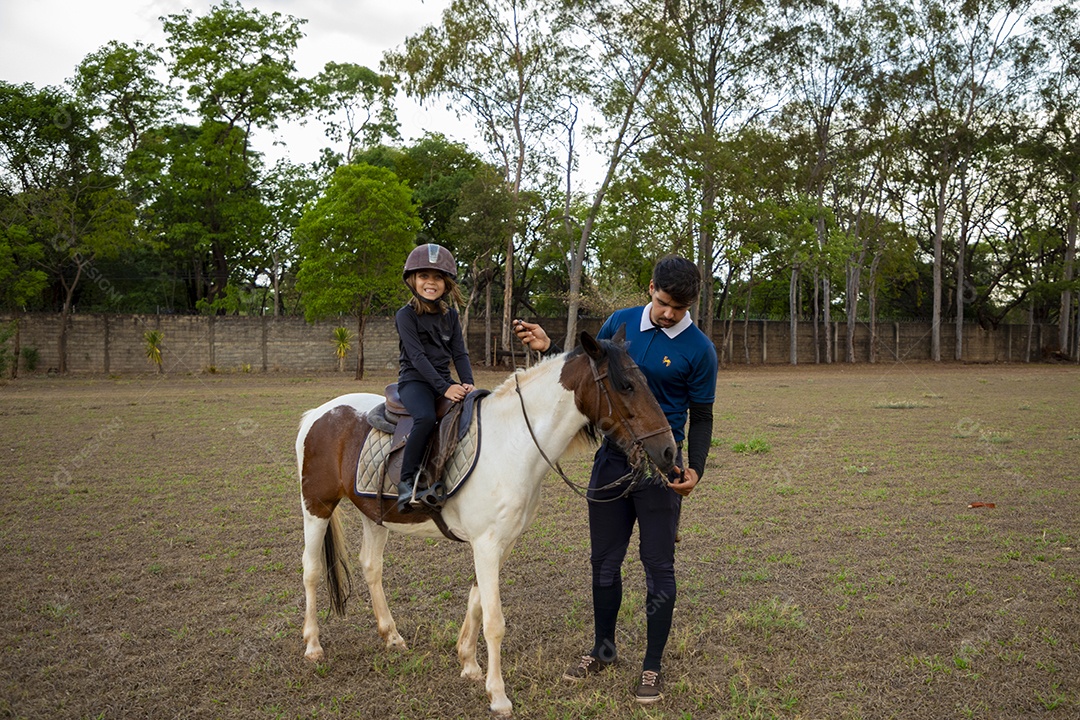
114, 344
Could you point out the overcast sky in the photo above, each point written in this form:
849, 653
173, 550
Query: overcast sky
42, 41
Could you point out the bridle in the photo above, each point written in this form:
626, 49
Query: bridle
642, 466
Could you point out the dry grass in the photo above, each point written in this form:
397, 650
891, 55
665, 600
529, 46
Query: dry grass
150, 538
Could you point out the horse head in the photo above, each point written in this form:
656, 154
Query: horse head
611, 391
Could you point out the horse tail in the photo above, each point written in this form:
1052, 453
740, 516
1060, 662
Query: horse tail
338, 574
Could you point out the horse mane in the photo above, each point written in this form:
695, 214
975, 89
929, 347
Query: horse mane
589, 436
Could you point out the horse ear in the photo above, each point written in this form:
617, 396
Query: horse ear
591, 346
620, 334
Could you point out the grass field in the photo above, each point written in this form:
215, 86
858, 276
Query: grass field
830, 564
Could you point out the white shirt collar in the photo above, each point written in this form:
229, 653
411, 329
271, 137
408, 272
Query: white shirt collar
673, 331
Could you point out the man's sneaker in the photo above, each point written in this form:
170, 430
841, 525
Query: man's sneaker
585, 668
649, 687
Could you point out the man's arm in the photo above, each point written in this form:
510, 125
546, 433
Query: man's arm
698, 441
699, 436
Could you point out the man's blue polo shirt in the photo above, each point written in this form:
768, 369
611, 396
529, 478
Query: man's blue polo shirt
678, 362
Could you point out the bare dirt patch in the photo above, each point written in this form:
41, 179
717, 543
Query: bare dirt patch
150, 539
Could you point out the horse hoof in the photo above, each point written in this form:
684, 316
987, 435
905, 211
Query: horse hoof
396, 642
314, 655
506, 712
473, 673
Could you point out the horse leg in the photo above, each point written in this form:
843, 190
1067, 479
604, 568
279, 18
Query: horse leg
314, 567
488, 559
371, 560
467, 637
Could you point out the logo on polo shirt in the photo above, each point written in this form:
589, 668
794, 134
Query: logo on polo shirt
667, 360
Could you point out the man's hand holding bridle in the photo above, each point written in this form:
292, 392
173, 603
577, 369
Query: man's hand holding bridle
685, 484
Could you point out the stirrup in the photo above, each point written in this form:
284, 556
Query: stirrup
433, 497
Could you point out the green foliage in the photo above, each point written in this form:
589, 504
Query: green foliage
6, 355
342, 338
30, 358
238, 64
877, 154
356, 104
20, 279
152, 340
342, 341
119, 82
755, 445
353, 242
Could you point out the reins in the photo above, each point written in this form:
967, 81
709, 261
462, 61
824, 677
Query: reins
635, 475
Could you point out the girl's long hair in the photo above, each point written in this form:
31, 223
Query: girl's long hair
451, 296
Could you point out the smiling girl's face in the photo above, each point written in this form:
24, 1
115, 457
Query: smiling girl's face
430, 285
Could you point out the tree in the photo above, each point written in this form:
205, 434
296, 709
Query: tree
484, 214
627, 42
353, 243
238, 64
152, 340
239, 69
53, 179
21, 278
956, 77
206, 208
826, 56
356, 104
120, 84
503, 62
287, 190
1054, 60
709, 86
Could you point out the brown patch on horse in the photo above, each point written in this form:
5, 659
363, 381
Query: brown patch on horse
385, 510
331, 449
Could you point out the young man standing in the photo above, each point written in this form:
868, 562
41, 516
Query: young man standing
680, 364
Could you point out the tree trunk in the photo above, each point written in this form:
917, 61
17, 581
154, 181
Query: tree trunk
275, 270
508, 294
361, 322
727, 316
939, 231
872, 310
816, 320
851, 306
826, 290
705, 251
1065, 315
961, 252
871, 292
18, 344
619, 150
793, 310
65, 316
1030, 329
960, 292
746, 320
487, 324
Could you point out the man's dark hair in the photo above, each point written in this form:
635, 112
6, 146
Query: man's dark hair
678, 277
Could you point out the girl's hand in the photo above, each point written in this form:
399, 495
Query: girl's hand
456, 393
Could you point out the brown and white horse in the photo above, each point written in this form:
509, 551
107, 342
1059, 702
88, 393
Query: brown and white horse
530, 420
